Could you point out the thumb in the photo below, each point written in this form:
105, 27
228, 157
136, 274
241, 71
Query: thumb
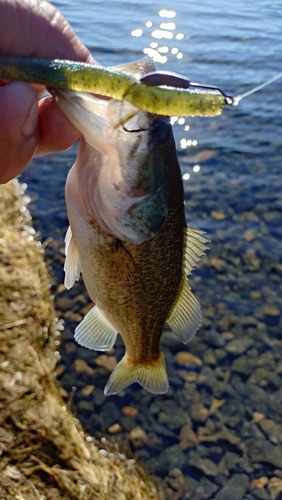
19, 131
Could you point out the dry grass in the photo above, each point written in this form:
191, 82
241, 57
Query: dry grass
44, 454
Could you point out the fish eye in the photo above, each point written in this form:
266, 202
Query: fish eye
161, 131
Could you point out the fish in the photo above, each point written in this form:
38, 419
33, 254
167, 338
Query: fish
172, 95
128, 234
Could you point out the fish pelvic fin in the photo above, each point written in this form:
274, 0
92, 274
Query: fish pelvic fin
72, 265
152, 377
95, 332
185, 317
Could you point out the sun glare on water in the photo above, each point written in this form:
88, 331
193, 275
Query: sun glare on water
163, 42
164, 31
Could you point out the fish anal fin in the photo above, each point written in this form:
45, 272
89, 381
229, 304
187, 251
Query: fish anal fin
95, 332
152, 377
186, 317
195, 247
72, 266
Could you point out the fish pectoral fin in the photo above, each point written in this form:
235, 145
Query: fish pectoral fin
152, 377
72, 266
186, 317
195, 247
95, 331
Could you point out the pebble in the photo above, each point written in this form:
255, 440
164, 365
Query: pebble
239, 346
257, 417
250, 235
129, 411
176, 480
108, 362
187, 359
63, 392
199, 413
87, 390
187, 437
70, 347
138, 437
227, 336
256, 294
260, 494
272, 430
99, 396
218, 264
84, 310
260, 450
272, 315
114, 429
275, 488
209, 357
174, 419
85, 406
60, 370
259, 483
64, 303
213, 338
171, 458
72, 316
205, 490
251, 259
222, 435
188, 376
82, 368
205, 465
218, 215
110, 414
234, 489
230, 460
243, 365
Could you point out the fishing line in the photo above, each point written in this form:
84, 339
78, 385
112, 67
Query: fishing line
239, 97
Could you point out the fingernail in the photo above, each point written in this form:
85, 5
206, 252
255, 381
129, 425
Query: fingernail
30, 124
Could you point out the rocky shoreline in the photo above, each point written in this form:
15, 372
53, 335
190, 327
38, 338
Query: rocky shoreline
217, 433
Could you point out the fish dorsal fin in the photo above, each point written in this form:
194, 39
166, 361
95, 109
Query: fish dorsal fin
195, 247
186, 317
137, 68
152, 377
95, 332
72, 266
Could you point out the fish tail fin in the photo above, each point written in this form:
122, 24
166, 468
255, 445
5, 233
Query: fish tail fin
152, 377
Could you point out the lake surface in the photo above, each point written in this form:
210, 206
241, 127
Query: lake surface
217, 432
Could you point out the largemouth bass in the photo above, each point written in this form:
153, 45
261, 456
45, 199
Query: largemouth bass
128, 234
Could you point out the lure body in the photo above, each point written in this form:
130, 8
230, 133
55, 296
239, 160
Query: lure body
84, 77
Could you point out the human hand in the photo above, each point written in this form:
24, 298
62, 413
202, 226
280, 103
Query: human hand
29, 125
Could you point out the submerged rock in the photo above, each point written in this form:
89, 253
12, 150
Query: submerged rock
234, 489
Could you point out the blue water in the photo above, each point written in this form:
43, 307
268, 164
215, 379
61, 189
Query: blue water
235, 46
231, 164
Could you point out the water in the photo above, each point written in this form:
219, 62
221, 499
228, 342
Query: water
230, 402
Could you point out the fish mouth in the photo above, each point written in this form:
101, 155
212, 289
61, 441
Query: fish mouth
146, 217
